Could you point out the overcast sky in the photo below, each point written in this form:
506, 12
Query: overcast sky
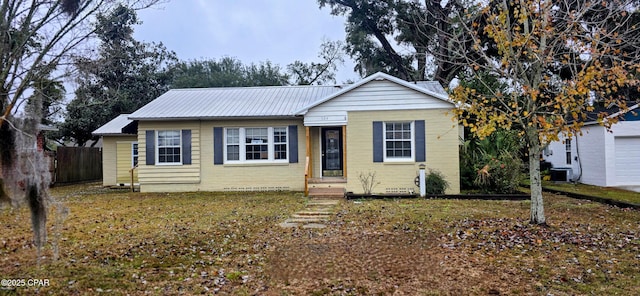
280, 31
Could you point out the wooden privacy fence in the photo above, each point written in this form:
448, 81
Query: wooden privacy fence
78, 164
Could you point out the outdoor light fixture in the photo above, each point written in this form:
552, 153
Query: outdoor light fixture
423, 183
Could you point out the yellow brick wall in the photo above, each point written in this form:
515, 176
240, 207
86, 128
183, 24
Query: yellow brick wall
441, 154
441, 133
316, 151
252, 177
203, 175
168, 177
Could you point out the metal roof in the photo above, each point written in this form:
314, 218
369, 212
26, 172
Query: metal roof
114, 127
232, 102
254, 102
44, 127
432, 86
611, 111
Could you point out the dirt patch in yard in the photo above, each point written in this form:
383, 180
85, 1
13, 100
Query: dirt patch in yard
372, 263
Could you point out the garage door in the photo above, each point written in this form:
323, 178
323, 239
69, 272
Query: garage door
627, 160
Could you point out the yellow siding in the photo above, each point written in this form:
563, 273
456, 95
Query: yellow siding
252, 177
316, 150
151, 176
124, 162
376, 95
203, 175
441, 150
110, 158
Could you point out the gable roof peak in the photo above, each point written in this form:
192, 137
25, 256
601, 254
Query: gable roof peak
419, 86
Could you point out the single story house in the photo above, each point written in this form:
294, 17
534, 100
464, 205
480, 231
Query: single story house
600, 157
287, 138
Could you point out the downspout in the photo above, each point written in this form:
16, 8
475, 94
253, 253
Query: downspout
578, 160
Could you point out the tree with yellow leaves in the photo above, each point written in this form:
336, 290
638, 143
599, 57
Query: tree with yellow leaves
557, 58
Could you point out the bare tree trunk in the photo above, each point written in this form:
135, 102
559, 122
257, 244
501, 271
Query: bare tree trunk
6, 158
421, 56
537, 204
37, 205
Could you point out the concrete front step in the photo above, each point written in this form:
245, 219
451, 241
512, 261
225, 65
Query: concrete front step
318, 204
327, 180
307, 225
326, 192
298, 216
314, 213
314, 217
306, 220
324, 201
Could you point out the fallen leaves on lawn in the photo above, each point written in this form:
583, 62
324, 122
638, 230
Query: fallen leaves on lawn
507, 233
229, 243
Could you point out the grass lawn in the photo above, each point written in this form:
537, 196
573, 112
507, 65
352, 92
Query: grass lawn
191, 243
604, 192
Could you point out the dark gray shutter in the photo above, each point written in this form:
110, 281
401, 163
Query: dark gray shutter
186, 146
420, 141
293, 144
218, 151
378, 142
150, 147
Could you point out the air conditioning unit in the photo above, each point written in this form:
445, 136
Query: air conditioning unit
561, 174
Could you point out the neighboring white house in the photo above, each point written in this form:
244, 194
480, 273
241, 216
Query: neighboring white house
599, 156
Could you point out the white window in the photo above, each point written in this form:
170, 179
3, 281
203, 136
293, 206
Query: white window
280, 143
233, 144
169, 150
567, 145
259, 144
134, 154
398, 141
256, 143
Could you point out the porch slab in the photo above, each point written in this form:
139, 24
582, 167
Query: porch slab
300, 218
337, 180
326, 192
310, 218
323, 202
314, 213
287, 224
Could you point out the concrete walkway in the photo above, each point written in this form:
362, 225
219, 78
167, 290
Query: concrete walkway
314, 215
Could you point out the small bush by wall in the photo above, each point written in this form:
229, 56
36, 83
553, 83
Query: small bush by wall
435, 182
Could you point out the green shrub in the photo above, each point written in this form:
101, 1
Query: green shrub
435, 182
492, 164
499, 175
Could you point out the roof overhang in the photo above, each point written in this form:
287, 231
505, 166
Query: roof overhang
617, 114
119, 126
131, 128
254, 117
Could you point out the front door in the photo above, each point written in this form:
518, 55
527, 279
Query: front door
332, 152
